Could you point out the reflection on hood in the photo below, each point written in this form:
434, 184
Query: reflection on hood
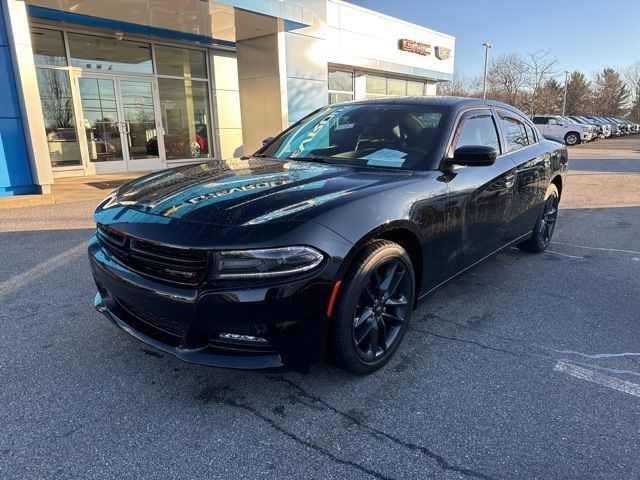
247, 192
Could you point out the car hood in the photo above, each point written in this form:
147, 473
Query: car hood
254, 191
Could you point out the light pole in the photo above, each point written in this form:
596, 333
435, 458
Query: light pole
564, 102
486, 46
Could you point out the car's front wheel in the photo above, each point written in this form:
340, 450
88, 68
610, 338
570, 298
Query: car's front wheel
572, 138
374, 308
545, 224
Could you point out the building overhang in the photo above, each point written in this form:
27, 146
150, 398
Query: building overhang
222, 22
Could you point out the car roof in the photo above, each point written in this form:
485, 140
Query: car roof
443, 101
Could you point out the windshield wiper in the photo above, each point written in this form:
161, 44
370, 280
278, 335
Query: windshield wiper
257, 155
313, 158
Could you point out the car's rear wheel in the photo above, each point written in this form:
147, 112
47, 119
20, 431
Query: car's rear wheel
572, 138
546, 223
374, 308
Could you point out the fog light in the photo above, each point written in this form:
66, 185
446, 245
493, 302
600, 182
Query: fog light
242, 338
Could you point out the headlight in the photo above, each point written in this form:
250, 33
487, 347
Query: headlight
585, 129
270, 262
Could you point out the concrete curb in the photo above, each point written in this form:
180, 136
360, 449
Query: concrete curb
23, 201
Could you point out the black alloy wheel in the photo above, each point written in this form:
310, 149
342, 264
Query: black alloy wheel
381, 310
374, 308
546, 223
548, 219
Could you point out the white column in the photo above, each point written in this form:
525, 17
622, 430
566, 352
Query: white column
227, 120
17, 25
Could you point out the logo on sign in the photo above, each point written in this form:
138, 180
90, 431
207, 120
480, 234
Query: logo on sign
443, 53
414, 47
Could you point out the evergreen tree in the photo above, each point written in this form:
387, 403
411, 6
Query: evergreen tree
610, 94
549, 98
578, 95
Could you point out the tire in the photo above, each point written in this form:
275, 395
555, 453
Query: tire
572, 138
545, 224
368, 324
193, 150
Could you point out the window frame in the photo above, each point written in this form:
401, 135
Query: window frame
500, 113
465, 116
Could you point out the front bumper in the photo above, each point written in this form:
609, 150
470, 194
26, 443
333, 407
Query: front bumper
586, 136
289, 317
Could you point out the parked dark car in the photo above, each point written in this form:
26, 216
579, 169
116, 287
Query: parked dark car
322, 243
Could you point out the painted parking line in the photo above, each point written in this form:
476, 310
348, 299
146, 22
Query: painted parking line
17, 282
600, 249
597, 377
562, 254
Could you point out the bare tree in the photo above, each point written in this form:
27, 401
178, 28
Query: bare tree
541, 67
456, 87
631, 76
507, 78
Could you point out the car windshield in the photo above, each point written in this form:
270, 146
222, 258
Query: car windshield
568, 120
399, 136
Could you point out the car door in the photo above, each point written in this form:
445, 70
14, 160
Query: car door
532, 161
542, 124
480, 197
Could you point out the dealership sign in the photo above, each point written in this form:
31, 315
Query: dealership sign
411, 46
414, 47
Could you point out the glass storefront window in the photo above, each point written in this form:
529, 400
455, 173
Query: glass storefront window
337, 97
415, 89
109, 55
376, 85
340, 86
59, 117
48, 47
180, 62
341, 81
101, 119
396, 87
185, 115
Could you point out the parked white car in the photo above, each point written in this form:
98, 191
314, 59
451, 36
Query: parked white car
562, 130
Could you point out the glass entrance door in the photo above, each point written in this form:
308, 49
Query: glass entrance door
121, 123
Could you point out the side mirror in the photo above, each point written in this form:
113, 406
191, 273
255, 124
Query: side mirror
474, 155
561, 124
267, 140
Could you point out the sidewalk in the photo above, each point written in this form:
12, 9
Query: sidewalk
94, 187
72, 189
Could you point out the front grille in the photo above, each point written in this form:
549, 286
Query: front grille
165, 328
168, 264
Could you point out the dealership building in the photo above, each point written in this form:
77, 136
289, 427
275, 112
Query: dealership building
111, 86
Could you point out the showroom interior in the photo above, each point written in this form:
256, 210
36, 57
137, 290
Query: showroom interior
141, 85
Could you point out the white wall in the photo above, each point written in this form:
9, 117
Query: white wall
366, 39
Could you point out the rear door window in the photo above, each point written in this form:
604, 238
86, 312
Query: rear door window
514, 131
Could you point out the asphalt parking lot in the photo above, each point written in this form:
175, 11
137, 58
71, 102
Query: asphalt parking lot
526, 367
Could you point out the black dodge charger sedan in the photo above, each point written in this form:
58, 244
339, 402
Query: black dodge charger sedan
322, 243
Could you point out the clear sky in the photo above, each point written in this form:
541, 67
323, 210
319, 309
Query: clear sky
583, 35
